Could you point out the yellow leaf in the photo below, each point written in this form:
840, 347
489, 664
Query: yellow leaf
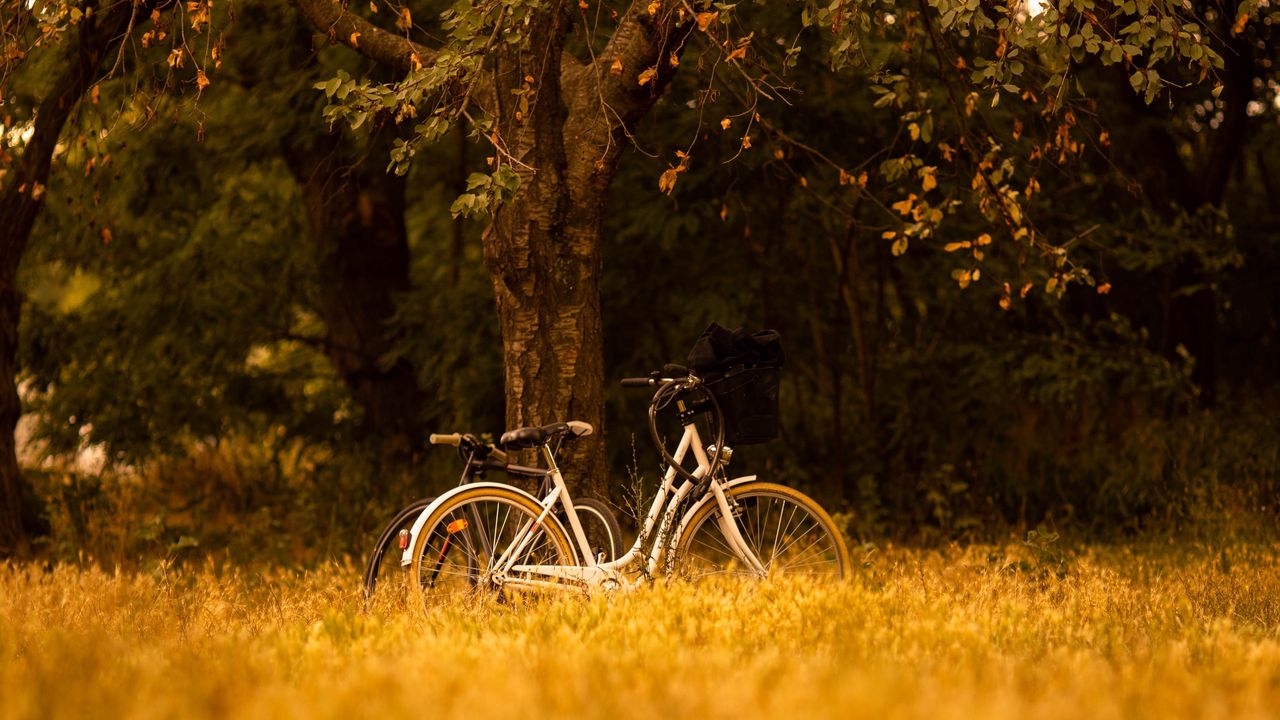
674, 60
978, 255
914, 130
1104, 288
983, 239
415, 61
899, 246
746, 142
202, 80
616, 67
94, 92
1052, 285
725, 123
654, 7
952, 247
1025, 289
582, 5
977, 273
889, 234
962, 277
705, 19
354, 39
862, 179
928, 181
904, 206
106, 236
648, 75
778, 154
373, 7
724, 211
737, 54
175, 59
667, 182
405, 21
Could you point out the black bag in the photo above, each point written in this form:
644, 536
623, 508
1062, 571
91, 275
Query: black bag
742, 370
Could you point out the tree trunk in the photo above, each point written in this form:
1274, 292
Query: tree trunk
544, 262
355, 214
543, 249
21, 195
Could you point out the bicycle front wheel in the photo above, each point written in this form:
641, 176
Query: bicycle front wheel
785, 529
384, 560
480, 542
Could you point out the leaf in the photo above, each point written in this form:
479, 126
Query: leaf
705, 19
737, 54
667, 181
904, 206
648, 75
983, 239
616, 67
954, 246
928, 180
725, 123
202, 80
899, 246
354, 39
914, 130
405, 20
1104, 288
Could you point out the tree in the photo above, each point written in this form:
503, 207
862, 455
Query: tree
558, 127
86, 52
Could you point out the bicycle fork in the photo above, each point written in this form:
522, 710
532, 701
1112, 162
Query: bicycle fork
729, 527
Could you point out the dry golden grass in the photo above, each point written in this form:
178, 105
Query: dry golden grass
979, 632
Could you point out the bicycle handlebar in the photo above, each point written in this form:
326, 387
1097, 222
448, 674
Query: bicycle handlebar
638, 382
456, 439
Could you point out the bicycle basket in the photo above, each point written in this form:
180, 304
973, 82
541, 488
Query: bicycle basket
748, 398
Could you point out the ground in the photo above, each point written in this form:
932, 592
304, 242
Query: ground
1161, 630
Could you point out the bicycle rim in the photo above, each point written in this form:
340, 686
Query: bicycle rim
788, 532
460, 549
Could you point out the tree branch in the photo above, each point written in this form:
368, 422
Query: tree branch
381, 46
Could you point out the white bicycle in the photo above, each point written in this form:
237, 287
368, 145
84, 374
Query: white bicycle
489, 537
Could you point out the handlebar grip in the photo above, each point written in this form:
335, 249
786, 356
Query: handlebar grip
441, 439
637, 382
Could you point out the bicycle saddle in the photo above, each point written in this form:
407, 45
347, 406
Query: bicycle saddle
528, 437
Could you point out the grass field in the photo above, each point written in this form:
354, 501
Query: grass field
1160, 632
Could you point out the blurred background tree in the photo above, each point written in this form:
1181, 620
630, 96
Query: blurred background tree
1023, 258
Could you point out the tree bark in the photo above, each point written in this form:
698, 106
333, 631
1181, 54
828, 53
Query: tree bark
21, 196
543, 249
355, 213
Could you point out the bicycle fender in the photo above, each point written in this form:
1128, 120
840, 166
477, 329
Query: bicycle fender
406, 558
688, 515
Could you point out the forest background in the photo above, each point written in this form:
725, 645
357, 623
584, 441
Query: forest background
1024, 259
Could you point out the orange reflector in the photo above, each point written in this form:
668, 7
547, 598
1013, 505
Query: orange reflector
457, 526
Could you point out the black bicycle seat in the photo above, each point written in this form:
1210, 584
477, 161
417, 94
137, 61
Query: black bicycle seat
529, 437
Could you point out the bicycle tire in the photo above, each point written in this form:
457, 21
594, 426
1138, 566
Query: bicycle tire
775, 520
374, 565
463, 538
600, 525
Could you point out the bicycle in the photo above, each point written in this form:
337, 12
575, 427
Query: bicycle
480, 458
491, 537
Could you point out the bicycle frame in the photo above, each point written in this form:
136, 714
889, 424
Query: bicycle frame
661, 516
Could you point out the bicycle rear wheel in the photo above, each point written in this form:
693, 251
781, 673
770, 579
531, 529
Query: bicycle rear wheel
601, 527
787, 531
465, 543
384, 561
